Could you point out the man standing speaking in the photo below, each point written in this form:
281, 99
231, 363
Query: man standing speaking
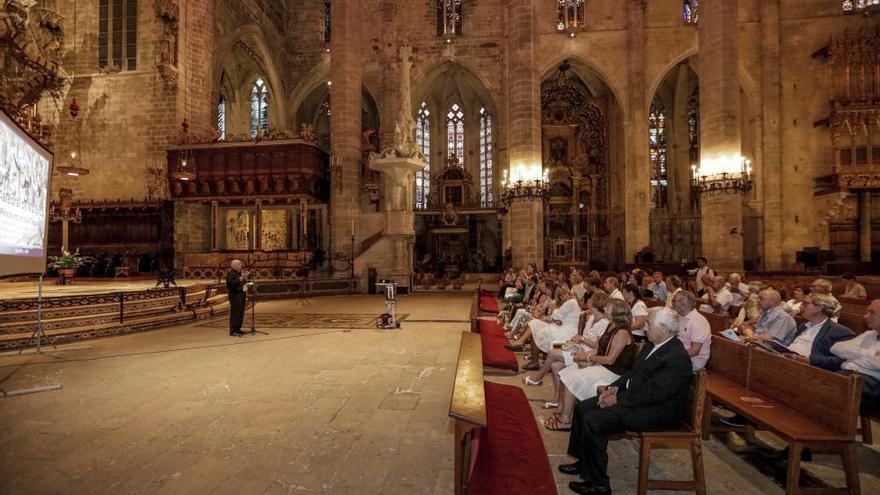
235, 282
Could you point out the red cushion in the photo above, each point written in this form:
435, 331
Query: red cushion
489, 327
496, 355
511, 458
488, 304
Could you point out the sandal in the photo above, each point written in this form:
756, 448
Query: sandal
529, 381
553, 424
550, 405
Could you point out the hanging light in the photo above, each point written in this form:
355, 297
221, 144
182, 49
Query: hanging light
74, 166
185, 169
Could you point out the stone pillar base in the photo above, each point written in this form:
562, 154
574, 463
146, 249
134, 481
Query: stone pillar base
722, 231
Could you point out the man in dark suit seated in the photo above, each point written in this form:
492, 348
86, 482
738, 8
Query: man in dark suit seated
813, 340
649, 397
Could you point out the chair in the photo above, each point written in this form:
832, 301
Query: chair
690, 436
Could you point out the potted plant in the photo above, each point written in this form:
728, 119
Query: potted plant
67, 263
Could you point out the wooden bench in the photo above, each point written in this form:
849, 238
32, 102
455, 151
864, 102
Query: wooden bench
498, 448
487, 301
806, 406
717, 323
690, 435
498, 359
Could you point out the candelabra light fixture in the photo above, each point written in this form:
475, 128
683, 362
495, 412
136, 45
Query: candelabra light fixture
864, 7
526, 183
724, 174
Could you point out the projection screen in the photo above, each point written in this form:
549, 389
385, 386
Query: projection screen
25, 170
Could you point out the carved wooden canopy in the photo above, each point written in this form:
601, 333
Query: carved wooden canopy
272, 170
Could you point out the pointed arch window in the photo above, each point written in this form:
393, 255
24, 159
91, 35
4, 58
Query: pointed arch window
423, 141
259, 107
693, 120
448, 17
221, 117
455, 134
487, 169
691, 11
570, 15
657, 152
326, 21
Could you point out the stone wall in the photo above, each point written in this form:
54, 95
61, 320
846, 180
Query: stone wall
130, 117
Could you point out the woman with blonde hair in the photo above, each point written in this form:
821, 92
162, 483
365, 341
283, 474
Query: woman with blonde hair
614, 356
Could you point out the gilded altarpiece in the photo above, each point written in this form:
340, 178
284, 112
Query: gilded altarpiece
574, 133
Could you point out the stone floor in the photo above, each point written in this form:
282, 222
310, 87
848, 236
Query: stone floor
301, 410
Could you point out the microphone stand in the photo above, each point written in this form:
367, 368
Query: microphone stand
253, 290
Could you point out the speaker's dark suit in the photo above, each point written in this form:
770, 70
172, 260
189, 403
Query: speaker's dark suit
237, 300
649, 398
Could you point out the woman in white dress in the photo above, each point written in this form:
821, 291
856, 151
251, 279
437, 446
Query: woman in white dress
557, 359
632, 294
562, 325
613, 357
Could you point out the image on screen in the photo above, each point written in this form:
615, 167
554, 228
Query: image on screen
25, 168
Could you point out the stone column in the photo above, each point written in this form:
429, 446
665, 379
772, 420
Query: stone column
720, 133
772, 191
638, 189
345, 124
524, 130
865, 226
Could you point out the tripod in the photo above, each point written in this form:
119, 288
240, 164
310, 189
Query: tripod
39, 332
253, 290
302, 297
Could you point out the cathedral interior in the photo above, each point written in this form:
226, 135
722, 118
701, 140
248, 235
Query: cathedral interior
334, 144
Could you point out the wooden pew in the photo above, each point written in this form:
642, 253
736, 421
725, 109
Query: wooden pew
717, 323
498, 359
493, 422
806, 406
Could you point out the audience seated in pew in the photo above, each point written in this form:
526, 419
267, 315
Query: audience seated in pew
658, 286
673, 284
612, 287
824, 286
613, 357
739, 291
559, 358
813, 340
649, 397
633, 297
560, 326
773, 323
718, 297
862, 355
854, 290
793, 305
693, 329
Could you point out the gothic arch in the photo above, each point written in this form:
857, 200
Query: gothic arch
589, 73
252, 37
428, 78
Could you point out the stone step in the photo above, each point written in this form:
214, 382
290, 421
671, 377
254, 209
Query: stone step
139, 324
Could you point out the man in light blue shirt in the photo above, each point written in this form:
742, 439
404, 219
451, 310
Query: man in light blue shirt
774, 322
658, 286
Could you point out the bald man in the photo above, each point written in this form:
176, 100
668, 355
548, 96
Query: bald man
774, 323
235, 280
862, 354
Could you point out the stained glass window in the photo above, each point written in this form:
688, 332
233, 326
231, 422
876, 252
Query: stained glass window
860, 6
694, 138
423, 141
657, 152
455, 134
487, 194
691, 12
448, 17
259, 107
221, 117
326, 21
570, 14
